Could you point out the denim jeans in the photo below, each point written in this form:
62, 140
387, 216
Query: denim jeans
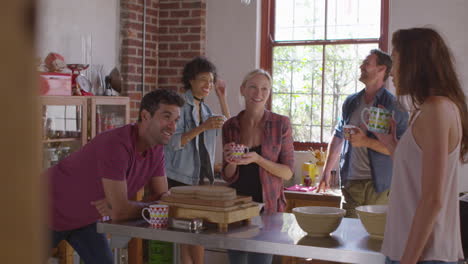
243, 257
389, 261
87, 242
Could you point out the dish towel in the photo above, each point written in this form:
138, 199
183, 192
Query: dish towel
300, 188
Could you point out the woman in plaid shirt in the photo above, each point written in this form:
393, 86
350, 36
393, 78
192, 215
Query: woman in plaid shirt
259, 173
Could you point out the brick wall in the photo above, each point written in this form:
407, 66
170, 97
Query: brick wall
182, 36
175, 33
131, 49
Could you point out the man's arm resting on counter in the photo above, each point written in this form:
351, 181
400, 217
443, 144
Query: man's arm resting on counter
116, 197
158, 188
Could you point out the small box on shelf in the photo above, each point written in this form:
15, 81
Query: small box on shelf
55, 83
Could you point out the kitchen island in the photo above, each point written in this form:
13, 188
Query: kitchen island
277, 234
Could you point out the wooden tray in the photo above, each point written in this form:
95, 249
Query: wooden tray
213, 203
210, 208
222, 218
205, 192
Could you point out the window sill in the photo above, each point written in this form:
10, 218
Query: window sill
306, 146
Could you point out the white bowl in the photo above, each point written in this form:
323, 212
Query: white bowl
373, 218
318, 221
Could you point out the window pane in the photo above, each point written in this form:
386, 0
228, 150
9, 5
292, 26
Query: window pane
282, 69
297, 87
331, 110
301, 108
281, 104
348, 19
299, 20
297, 69
315, 134
301, 133
327, 133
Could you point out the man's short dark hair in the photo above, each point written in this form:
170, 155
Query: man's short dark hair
196, 66
383, 58
153, 99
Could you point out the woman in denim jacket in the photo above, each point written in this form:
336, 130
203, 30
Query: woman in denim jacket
191, 150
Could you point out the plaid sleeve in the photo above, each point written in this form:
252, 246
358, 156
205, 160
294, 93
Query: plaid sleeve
286, 156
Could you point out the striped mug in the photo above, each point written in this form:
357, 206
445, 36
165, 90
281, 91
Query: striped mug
379, 119
159, 215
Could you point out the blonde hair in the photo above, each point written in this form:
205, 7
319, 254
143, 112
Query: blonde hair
251, 74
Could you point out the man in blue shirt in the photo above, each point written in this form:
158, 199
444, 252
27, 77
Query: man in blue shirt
365, 164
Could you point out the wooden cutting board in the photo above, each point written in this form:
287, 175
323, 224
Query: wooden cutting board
204, 192
213, 203
210, 208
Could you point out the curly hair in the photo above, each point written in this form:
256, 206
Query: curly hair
196, 66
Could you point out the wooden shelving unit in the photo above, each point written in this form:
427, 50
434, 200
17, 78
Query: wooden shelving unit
79, 116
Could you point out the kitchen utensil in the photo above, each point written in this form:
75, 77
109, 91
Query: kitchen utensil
116, 80
193, 225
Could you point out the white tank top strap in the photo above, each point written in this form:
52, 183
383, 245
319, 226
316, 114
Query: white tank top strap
414, 117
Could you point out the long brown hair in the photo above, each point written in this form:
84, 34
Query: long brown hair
426, 69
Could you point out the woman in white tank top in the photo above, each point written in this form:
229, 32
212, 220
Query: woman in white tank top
423, 222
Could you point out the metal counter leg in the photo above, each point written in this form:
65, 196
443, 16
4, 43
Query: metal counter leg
119, 244
120, 256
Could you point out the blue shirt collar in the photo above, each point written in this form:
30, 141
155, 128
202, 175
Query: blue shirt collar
378, 95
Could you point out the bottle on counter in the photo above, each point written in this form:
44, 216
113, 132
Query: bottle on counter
335, 181
307, 181
310, 171
305, 172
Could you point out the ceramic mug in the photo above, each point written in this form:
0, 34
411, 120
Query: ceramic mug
221, 117
238, 151
159, 215
348, 130
379, 119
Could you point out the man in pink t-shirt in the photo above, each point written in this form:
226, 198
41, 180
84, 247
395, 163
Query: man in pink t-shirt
99, 179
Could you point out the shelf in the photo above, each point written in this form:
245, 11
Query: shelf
72, 124
60, 140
